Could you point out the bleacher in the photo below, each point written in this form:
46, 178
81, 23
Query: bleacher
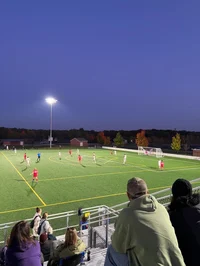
100, 226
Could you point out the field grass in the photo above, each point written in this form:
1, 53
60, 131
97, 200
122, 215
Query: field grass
66, 185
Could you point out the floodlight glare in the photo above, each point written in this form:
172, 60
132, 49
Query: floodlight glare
50, 100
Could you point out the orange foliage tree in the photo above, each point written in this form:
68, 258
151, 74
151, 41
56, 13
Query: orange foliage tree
102, 139
141, 139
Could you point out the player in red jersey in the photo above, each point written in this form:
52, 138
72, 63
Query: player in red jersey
25, 157
35, 175
79, 158
70, 152
161, 165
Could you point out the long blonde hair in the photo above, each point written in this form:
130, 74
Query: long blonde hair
71, 237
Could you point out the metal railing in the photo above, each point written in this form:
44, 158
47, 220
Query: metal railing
100, 216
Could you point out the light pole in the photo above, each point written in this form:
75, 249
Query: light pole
50, 101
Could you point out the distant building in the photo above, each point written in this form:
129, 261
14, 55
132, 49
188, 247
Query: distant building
196, 152
12, 142
79, 142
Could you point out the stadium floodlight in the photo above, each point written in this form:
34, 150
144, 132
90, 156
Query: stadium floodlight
51, 101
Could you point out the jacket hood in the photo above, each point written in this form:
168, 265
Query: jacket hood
146, 203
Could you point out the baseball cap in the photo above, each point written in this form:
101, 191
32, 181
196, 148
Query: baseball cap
136, 187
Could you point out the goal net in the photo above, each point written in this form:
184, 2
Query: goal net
150, 151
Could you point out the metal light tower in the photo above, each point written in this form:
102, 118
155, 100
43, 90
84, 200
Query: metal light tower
50, 101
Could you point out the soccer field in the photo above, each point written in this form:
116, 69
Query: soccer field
66, 185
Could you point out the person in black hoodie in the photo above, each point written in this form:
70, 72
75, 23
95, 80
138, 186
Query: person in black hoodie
184, 211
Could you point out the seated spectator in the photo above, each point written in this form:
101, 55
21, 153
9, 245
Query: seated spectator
22, 249
143, 232
44, 224
3, 254
37, 219
184, 213
72, 246
84, 220
46, 246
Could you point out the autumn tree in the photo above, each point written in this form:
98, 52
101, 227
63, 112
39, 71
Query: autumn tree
107, 141
118, 140
176, 142
101, 137
141, 139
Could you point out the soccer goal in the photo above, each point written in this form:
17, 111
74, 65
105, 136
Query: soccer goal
150, 151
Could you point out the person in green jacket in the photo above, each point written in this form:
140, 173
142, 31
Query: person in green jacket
144, 235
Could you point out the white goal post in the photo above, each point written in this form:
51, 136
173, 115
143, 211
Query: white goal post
150, 151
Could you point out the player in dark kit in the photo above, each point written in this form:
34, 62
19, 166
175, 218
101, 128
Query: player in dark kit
38, 157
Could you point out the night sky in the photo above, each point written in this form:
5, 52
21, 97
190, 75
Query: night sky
110, 64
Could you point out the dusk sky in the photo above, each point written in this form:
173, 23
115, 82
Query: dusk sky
110, 64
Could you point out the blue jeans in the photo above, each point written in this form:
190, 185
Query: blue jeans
114, 258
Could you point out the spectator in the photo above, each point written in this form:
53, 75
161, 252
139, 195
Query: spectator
3, 254
143, 232
184, 213
72, 246
22, 249
37, 219
84, 220
46, 246
44, 224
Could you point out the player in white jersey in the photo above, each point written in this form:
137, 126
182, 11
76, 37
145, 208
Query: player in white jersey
15, 150
27, 161
59, 155
115, 152
77, 152
159, 164
94, 157
124, 160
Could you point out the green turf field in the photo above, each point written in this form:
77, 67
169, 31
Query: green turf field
66, 185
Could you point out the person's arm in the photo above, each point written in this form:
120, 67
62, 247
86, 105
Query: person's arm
121, 238
46, 226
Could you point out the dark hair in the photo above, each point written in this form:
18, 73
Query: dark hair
184, 201
38, 209
45, 215
20, 233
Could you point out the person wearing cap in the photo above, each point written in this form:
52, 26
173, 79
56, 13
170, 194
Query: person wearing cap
184, 211
144, 235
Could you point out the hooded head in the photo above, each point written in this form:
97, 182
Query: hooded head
181, 188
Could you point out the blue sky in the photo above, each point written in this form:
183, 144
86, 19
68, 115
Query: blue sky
111, 64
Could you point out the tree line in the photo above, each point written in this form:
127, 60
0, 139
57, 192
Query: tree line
108, 137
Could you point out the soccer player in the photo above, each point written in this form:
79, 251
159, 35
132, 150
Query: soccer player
115, 152
111, 152
70, 152
159, 164
35, 175
27, 161
124, 160
77, 152
162, 165
79, 158
25, 157
59, 154
15, 150
38, 157
94, 157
